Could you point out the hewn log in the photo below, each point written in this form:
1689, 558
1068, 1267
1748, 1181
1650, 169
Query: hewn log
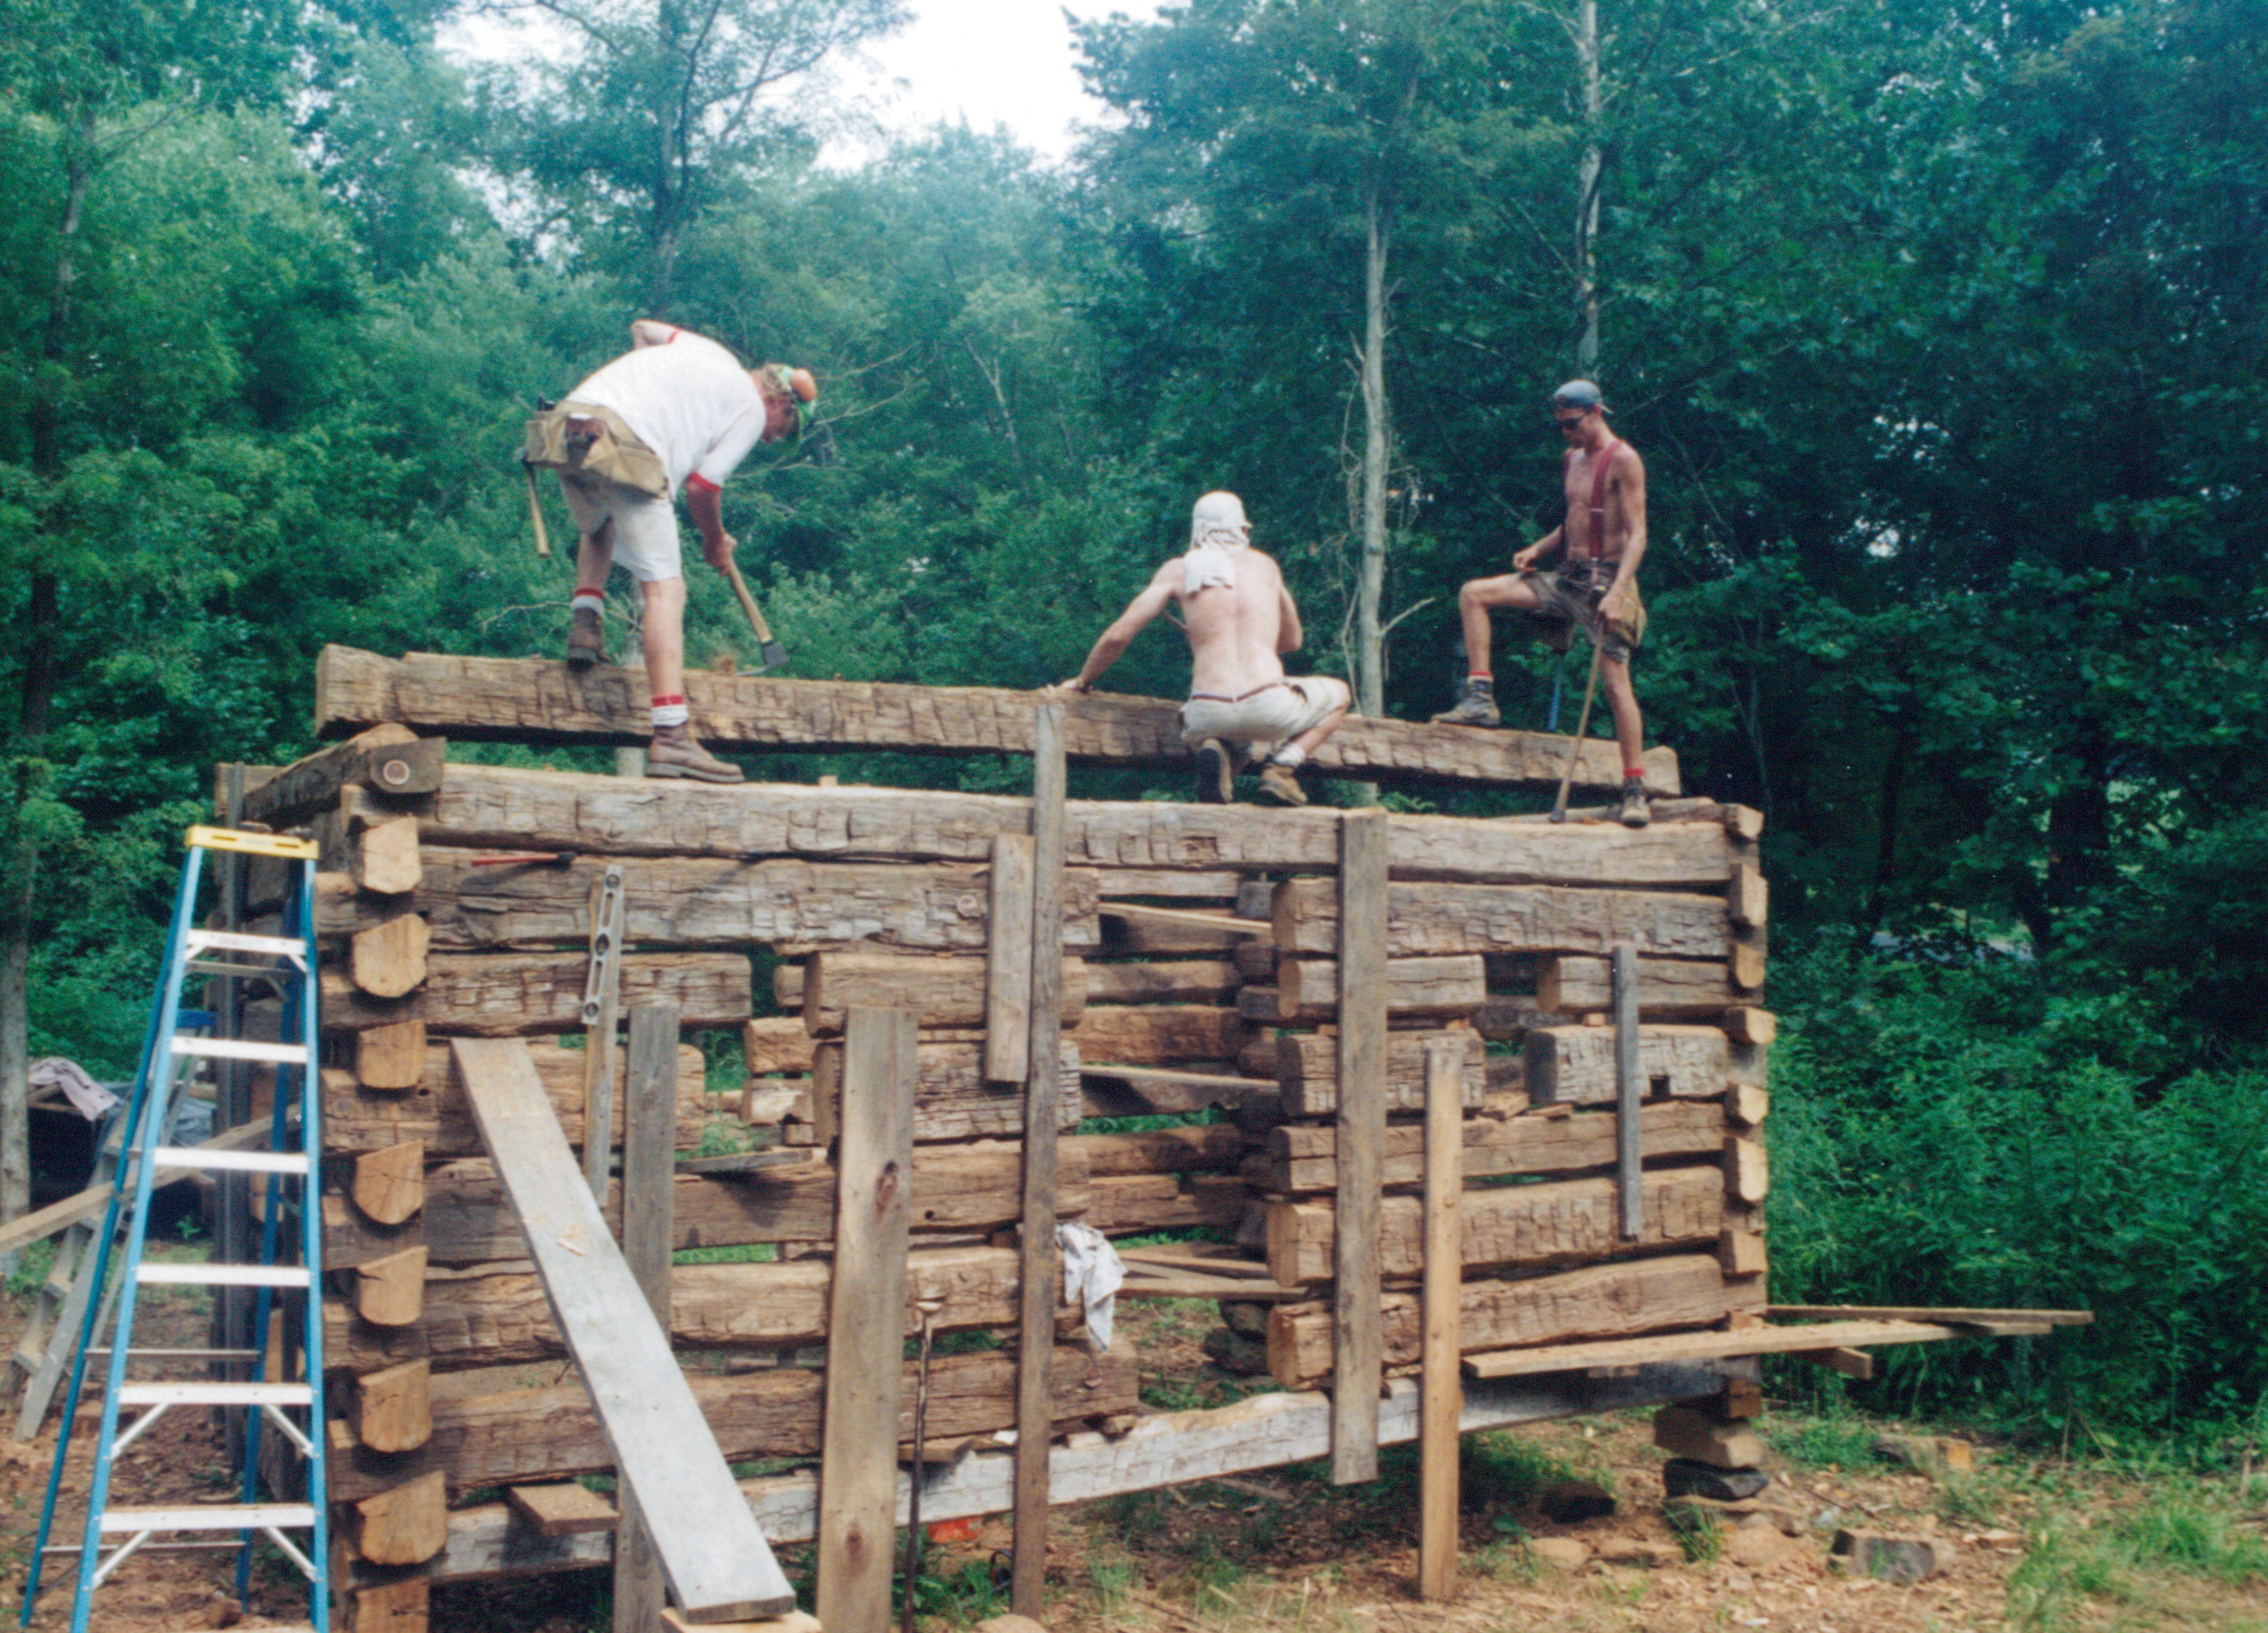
1746, 1024
1130, 1202
1746, 1174
777, 1043
389, 757
1747, 896
562, 1508
521, 700
1575, 1065
1560, 1221
384, 846
434, 1112
492, 1429
1307, 1070
1158, 1034
1668, 989
394, 1407
701, 902
1207, 1148
952, 1098
1302, 1157
468, 1220
508, 995
401, 1606
1743, 1253
1437, 918
1748, 1104
387, 957
1190, 980
405, 1525
944, 991
1597, 1301
390, 1291
390, 1056
490, 1315
1681, 1431
389, 1183
1307, 989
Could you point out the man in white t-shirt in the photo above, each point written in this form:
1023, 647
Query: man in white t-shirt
687, 400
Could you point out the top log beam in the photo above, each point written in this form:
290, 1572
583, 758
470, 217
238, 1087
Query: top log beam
530, 700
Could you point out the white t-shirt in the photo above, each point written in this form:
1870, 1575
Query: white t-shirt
688, 399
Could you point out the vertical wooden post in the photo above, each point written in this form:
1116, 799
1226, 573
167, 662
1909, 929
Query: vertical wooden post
1441, 1393
1357, 1368
602, 999
1008, 962
649, 1187
866, 1321
1041, 1272
1630, 1089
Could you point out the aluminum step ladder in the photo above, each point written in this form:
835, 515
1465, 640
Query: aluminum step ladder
291, 1167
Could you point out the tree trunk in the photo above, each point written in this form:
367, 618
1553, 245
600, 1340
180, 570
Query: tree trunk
1587, 194
1370, 644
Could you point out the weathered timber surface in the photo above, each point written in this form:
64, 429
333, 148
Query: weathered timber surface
526, 700
698, 901
1307, 989
506, 995
1575, 1065
952, 1098
493, 1316
1597, 1301
943, 991
1159, 1035
1307, 1070
1436, 918
1264, 1432
1667, 988
506, 1432
1568, 1219
777, 1043
435, 1112
1140, 1202
468, 1220
1189, 980
1302, 1157
389, 757
1208, 1148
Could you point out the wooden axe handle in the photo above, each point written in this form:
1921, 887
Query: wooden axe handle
747, 602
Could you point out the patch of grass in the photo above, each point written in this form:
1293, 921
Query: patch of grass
746, 1252
1700, 1534
2068, 1569
1508, 1559
32, 1268
1511, 1468
1112, 1579
1834, 1441
965, 1595
1137, 1516
1969, 1499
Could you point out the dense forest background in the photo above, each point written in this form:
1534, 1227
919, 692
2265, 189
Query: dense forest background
1941, 326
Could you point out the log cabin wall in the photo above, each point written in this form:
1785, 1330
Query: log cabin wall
1200, 947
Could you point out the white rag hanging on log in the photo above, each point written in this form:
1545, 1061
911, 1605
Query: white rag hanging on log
1093, 1275
88, 1097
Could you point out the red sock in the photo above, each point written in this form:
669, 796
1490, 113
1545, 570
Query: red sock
1633, 774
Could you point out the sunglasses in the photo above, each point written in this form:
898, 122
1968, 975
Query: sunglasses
1558, 424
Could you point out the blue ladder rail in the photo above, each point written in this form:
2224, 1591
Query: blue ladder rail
175, 1041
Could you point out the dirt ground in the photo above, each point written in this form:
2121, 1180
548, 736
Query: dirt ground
2023, 1542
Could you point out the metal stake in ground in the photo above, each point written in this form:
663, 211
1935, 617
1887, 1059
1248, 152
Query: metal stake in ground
1575, 748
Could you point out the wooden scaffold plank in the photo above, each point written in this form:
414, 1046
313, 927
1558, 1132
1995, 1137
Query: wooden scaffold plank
1362, 946
1441, 1396
649, 1232
716, 1560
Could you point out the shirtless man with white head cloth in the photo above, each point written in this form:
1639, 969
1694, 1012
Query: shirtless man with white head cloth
1240, 620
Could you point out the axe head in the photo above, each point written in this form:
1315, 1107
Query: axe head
774, 657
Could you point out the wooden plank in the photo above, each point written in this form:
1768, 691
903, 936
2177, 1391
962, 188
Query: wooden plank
1169, 1448
1670, 1291
433, 1111
716, 1561
1575, 1065
520, 995
1362, 1098
1442, 1401
649, 1232
952, 1100
1190, 981
1301, 1156
1668, 989
1008, 962
1307, 988
1747, 1342
699, 902
1433, 918
566, 1509
1041, 1274
1556, 1222
1950, 1315
42, 1223
602, 1008
1159, 1034
865, 1358
947, 992
1630, 1089
520, 700
1223, 924
388, 757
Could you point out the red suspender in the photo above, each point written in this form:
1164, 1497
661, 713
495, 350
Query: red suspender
1602, 463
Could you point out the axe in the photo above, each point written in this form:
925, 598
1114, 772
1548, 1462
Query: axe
1575, 745
774, 654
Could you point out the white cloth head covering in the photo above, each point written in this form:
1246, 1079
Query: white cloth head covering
1217, 531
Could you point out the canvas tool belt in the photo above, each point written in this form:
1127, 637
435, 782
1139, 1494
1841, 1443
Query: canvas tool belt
581, 439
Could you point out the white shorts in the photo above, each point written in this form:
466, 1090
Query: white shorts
645, 528
1273, 715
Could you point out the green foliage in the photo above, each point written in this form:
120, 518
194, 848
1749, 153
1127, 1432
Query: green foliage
1835, 1440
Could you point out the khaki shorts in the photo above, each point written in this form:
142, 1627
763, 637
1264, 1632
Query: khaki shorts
1571, 596
1273, 715
645, 528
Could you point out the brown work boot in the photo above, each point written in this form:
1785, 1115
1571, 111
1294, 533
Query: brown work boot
1280, 785
1634, 812
1216, 775
586, 639
676, 751
1477, 706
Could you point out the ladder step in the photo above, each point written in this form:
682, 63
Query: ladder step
253, 844
217, 1395
229, 941
179, 1355
225, 1275
238, 1162
211, 1516
242, 1048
